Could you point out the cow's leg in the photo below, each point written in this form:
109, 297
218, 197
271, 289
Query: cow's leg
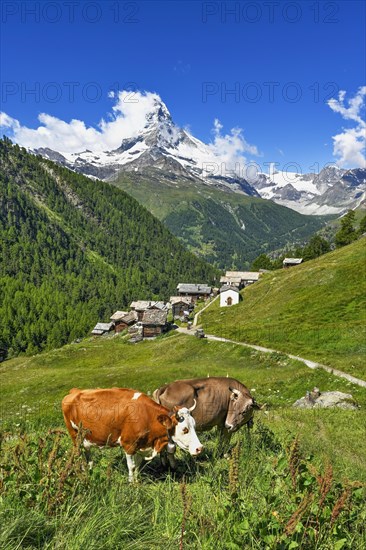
164, 458
167, 455
224, 441
249, 427
87, 446
132, 468
138, 461
171, 456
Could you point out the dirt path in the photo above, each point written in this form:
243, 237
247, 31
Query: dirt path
307, 362
195, 320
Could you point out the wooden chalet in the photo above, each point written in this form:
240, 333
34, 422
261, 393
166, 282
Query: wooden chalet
195, 291
124, 319
102, 328
290, 262
180, 304
154, 322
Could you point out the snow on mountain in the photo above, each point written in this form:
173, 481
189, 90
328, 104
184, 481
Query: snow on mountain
332, 191
159, 144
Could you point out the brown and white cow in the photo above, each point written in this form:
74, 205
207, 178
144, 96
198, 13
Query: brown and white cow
222, 402
132, 420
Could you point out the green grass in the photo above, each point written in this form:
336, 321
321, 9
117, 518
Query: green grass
316, 310
49, 501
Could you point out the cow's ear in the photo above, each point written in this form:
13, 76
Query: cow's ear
165, 420
234, 393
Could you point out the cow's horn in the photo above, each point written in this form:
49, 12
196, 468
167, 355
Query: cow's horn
193, 406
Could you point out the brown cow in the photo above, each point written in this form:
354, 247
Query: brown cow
130, 419
222, 402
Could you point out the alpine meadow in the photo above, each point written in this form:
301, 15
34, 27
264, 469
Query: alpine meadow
183, 275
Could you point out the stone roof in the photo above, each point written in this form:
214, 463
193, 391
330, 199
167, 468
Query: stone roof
141, 305
191, 288
129, 318
228, 287
160, 305
154, 317
243, 275
101, 328
118, 315
180, 299
233, 280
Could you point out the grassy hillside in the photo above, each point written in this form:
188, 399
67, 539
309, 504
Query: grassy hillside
227, 229
317, 310
250, 501
73, 250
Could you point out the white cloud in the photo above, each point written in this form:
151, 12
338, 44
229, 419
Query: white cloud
127, 118
230, 148
7, 121
349, 145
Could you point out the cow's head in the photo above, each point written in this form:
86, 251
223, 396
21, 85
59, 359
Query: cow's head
182, 429
240, 410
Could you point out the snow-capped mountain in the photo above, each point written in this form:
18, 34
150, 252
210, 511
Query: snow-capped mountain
332, 191
161, 144
162, 147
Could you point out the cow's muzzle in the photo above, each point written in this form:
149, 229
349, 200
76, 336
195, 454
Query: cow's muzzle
198, 451
229, 427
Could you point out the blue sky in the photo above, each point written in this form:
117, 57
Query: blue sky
284, 60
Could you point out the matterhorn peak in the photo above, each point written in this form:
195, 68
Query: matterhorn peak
159, 113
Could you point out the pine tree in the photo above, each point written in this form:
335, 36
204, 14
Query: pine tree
362, 226
317, 246
262, 262
347, 234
